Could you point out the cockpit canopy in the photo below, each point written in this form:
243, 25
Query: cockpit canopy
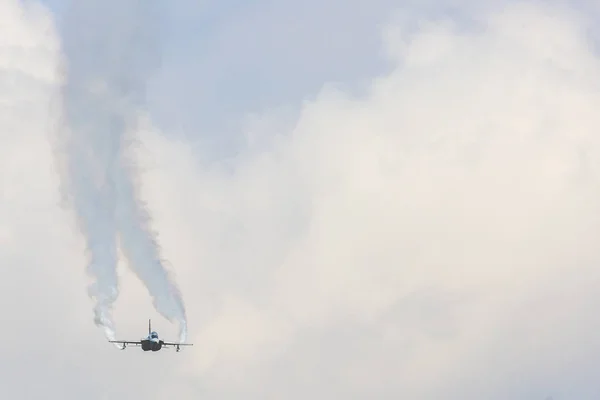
154, 335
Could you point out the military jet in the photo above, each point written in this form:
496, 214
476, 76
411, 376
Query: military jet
151, 342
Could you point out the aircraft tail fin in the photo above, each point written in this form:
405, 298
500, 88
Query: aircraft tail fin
149, 327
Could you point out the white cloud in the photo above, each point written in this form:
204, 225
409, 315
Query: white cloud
435, 239
36, 290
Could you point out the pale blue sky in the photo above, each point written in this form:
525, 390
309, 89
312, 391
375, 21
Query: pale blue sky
225, 59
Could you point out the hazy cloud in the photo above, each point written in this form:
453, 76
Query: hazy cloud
433, 238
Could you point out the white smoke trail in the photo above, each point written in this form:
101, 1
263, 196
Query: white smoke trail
110, 52
91, 162
139, 247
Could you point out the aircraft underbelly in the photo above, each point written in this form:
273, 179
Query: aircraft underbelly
148, 345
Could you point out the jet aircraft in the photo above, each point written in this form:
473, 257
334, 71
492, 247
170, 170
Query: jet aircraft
151, 342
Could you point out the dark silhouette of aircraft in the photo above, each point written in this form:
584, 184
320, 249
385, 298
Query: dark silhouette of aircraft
151, 342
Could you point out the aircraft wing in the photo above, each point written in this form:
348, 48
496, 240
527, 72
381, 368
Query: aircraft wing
125, 342
177, 344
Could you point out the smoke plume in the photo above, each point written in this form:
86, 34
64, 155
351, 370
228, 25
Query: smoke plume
110, 53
